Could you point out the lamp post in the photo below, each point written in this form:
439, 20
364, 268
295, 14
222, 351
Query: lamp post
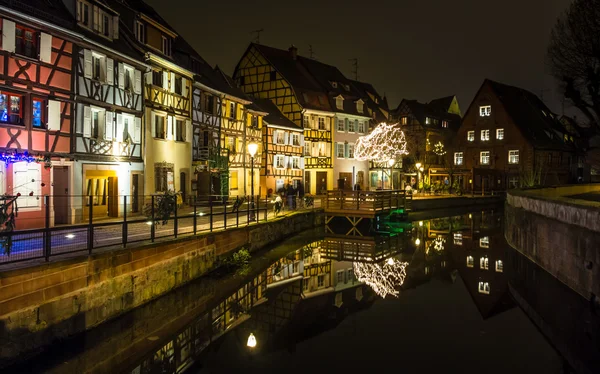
418, 165
252, 148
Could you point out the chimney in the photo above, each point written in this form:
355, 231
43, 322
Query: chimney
293, 52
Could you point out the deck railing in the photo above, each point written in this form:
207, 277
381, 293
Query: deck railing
367, 201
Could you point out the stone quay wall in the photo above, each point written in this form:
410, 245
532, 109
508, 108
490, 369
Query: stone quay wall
42, 303
559, 233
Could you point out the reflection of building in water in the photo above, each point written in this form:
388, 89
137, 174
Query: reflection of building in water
477, 249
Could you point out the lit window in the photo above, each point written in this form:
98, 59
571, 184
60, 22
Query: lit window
351, 126
180, 130
340, 124
340, 150
458, 238
484, 287
485, 111
359, 107
230, 144
470, 261
361, 127
166, 46
484, 263
484, 242
280, 162
160, 128
233, 180
10, 108
513, 157
484, 157
404, 120
485, 135
470, 136
296, 139
128, 76
499, 134
307, 146
26, 42
233, 110
339, 102
499, 266
426, 270
350, 150
99, 67
279, 137
427, 121
37, 106
445, 124
321, 281
140, 32
321, 123
295, 162
458, 158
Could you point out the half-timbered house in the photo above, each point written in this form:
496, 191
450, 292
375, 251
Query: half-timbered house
281, 76
36, 59
167, 97
107, 136
283, 149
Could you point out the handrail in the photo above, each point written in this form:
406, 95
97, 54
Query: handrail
371, 201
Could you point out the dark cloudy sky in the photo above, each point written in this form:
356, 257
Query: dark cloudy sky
420, 49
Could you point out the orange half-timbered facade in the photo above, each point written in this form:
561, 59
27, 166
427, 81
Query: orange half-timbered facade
283, 145
36, 62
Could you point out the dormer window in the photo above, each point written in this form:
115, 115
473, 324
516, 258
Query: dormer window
359, 106
334, 84
140, 32
166, 46
347, 87
83, 13
98, 19
339, 102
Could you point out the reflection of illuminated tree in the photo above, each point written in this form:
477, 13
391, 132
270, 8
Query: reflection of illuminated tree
383, 278
437, 245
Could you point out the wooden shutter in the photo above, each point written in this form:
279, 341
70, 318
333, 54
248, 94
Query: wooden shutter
110, 71
188, 130
87, 121
120, 128
115, 27
165, 82
53, 115
346, 124
286, 162
153, 124
275, 133
137, 130
96, 19
137, 87
45, 47
87, 63
108, 128
148, 78
172, 82
286, 138
301, 141
301, 162
346, 151
184, 89
8, 35
121, 76
169, 128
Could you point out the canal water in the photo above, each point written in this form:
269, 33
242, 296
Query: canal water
443, 294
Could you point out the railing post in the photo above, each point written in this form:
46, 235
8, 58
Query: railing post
125, 221
152, 228
357, 199
47, 233
175, 221
257, 210
210, 204
224, 214
195, 214
248, 211
90, 226
266, 207
237, 216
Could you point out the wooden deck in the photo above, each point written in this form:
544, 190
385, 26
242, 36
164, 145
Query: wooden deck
365, 203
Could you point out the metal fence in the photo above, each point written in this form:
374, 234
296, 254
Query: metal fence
94, 224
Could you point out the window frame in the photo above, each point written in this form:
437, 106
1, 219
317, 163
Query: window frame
140, 31
296, 140
321, 123
296, 163
164, 126
485, 110
500, 134
166, 45
8, 103
277, 164
458, 155
485, 135
484, 155
180, 130
21, 41
471, 135
43, 114
337, 150
513, 156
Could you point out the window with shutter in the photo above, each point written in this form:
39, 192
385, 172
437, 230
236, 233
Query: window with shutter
108, 126
110, 71
87, 122
137, 131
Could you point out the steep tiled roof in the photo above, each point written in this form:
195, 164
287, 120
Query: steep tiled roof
275, 117
531, 115
53, 11
443, 103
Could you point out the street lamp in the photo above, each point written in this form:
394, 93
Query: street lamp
418, 165
391, 162
251, 341
252, 148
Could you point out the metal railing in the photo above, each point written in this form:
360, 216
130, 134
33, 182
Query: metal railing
368, 201
114, 223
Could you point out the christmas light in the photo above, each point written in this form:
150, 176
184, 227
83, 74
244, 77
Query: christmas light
384, 143
438, 149
383, 278
437, 244
11, 158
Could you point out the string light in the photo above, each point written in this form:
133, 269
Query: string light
384, 143
437, 244
383, 278
438, 149
14, 157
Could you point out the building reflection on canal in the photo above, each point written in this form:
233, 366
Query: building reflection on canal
314, 287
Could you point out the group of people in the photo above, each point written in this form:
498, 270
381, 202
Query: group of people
291, 195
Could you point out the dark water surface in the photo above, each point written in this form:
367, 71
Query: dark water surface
314, 304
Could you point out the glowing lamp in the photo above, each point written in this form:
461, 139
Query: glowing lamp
391, 162
420, 223
70, 236
418, 165
252, 148
251, 339
417, 241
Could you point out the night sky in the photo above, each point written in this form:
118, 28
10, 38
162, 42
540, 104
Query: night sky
407, 49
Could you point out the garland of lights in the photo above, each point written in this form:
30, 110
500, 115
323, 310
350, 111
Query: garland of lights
385, 142
382, 278
438, 149
11, 158
438, 245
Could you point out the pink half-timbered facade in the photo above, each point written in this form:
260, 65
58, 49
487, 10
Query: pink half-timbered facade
35, 114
